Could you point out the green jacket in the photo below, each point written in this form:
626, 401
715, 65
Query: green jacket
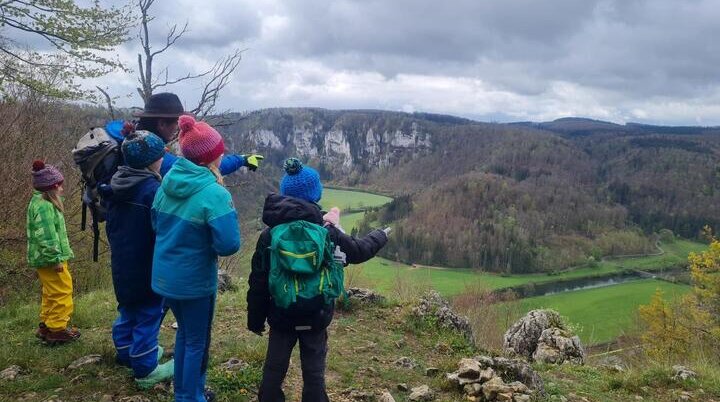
48, 242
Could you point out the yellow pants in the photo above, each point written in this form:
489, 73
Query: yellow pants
57, 302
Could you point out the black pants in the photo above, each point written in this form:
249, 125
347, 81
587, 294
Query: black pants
313, 350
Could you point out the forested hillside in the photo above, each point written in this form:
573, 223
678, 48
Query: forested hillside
507, 197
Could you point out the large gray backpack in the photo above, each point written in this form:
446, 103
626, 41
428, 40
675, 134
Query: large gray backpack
98, 156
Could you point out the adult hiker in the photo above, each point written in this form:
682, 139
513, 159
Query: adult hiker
129, 231
160, 116
195, 222
296, 277
48, 251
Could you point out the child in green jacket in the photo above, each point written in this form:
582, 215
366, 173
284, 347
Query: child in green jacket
49, 251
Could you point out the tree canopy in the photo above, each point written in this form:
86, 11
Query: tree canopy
70, 41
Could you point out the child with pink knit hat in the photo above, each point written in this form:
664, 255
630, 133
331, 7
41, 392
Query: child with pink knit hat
195, 222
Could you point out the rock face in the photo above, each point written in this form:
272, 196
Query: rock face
364, 296
541, 336
432, 305
496, 379
342, 141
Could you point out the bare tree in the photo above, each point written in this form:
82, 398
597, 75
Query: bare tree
216, 78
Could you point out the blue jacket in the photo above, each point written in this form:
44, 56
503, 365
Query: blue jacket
229, 163
195, 222
129, 230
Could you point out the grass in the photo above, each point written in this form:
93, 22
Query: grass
603, 314
362, 351
346, 199
363, 344
383, 274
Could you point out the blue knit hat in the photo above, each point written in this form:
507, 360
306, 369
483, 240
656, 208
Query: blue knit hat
141, 148
300, 181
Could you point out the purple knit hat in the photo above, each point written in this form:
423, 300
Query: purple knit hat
45, 177
199, 142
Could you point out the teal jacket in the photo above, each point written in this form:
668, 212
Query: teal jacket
195, 222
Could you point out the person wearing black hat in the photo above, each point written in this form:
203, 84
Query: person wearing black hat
160, 116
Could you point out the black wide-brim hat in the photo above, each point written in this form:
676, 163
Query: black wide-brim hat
163, 105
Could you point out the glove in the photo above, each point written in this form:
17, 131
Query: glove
252, 161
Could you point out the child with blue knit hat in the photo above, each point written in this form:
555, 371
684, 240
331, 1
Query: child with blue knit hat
132, 242
306, 321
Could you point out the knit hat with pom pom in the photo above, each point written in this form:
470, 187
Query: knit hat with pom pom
300, 181
199, 142
142, 148
45, 177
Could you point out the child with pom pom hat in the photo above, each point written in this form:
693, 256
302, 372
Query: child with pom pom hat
195, 223
129, 231
48, 252
306, 322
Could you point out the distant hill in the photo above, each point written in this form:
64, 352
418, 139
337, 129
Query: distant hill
509, 197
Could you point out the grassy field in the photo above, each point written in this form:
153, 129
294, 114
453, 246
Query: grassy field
605, 313
386, 275
345, 199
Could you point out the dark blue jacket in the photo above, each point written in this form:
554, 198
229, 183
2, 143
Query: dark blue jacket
129, 230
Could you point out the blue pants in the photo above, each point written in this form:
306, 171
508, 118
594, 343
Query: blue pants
192, 346
135, 335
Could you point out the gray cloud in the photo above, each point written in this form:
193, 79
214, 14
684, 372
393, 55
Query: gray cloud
620, 60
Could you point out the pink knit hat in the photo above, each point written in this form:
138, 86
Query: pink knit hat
199, 142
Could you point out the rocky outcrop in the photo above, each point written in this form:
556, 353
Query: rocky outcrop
541, 336
434, 307
682, 373
496, 379
557, 346
365, 296
421, 393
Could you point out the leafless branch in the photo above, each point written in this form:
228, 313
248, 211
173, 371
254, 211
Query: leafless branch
109, 101
220, 77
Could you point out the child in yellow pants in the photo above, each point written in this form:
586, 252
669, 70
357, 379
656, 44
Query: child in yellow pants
57, 302
48, 252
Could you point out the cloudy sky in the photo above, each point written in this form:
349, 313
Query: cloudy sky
655, 61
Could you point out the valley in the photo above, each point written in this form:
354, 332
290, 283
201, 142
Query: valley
602, 313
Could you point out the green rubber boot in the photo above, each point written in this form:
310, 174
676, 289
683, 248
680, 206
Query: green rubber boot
163, 372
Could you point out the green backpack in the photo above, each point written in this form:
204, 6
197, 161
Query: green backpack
302, 264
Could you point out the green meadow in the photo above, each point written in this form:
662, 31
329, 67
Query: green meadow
603, 314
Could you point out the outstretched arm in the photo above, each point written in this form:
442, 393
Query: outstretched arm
358, 249
231, 163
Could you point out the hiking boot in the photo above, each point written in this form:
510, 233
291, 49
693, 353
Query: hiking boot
42, 331
63, 336
163, 372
